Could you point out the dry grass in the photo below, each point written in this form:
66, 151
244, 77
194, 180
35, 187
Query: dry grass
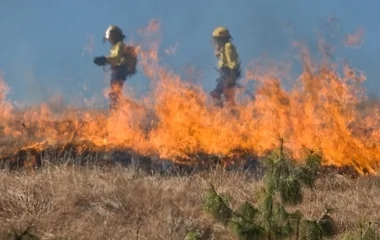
72, 202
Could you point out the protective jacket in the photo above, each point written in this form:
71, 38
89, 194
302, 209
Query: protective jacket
228, 57
117, 56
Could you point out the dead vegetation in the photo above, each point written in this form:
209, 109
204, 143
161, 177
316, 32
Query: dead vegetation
92, 202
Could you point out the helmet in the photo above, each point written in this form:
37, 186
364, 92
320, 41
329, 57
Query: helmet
113, 32
221, 32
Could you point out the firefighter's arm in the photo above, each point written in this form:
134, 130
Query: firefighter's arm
115, 55
231, 56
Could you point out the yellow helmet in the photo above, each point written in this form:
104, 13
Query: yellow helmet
113, 31
221, 32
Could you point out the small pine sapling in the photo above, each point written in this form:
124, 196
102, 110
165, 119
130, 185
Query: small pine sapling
283, 183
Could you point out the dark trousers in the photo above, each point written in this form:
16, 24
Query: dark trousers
118, 77
226, 86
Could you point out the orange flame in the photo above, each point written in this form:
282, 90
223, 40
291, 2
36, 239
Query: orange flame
321, 112
355, 39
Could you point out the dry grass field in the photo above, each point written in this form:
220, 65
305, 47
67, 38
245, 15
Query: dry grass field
92, 202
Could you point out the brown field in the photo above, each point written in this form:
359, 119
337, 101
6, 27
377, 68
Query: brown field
74, 202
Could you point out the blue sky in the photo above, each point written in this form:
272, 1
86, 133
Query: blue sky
42, 41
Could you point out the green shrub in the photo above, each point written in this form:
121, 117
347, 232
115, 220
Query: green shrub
193, 235
283, 183
25, 234
215, 204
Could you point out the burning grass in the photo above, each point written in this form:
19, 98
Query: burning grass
322, 111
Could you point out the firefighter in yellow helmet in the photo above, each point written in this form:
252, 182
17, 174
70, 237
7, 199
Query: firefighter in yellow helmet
228, 64
122, 59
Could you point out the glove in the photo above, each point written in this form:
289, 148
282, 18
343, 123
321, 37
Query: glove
100, 61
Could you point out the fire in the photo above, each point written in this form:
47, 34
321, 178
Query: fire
355, 39
322, 111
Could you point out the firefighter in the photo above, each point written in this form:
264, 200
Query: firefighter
122, 59
228, 67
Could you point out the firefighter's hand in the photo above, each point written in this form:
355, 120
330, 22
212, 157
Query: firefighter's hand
100, 61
